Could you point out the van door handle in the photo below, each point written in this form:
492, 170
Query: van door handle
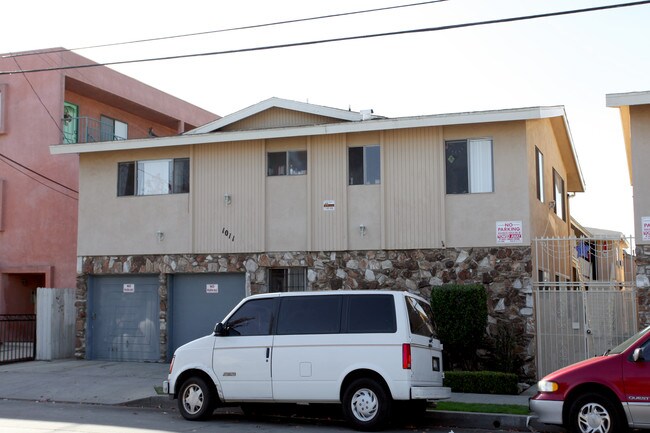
268, 353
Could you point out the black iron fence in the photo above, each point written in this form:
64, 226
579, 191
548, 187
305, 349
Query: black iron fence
17, 337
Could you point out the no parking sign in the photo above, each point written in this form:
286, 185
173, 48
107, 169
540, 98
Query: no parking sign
509, 232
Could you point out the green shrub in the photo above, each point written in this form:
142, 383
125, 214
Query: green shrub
460, 319
482, 382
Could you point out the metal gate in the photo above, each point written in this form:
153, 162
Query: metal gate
585, 298
17, 337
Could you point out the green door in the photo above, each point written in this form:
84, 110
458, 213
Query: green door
70, 123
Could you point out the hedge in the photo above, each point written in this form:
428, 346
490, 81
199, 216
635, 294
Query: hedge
482, 382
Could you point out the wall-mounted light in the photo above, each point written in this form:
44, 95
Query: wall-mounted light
227, 199
160, 236
362, 230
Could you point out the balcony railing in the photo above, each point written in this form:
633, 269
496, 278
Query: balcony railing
88, 130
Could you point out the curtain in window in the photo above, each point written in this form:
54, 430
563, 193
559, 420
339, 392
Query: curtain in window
480, 166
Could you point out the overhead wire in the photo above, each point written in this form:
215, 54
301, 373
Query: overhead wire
4, 158
231, 29
339, 39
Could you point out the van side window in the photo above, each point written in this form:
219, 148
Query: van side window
252, 318
310, 315
420, 317
375, 313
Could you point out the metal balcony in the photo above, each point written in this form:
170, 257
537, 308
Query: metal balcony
88, 130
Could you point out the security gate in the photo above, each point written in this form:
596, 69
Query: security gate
585, 298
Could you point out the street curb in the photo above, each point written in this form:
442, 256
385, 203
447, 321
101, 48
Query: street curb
486, 421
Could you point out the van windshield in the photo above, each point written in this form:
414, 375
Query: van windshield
627, 343
420, 317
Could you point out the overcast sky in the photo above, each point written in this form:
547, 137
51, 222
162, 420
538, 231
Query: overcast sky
571, 60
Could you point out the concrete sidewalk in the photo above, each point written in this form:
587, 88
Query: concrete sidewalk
133, 384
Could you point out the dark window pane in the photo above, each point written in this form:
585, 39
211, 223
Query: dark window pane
125, 178
373, 165
298, 162
181, 176
106, 128
456, 167
310, 315
252, 318
371, 314
277, 163
420, 317
355, 166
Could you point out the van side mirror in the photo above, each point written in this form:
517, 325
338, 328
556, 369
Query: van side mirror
219, 330
637, 355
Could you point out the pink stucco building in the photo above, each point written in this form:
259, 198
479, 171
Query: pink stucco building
39, 191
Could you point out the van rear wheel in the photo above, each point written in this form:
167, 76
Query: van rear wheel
366, 405
195, 399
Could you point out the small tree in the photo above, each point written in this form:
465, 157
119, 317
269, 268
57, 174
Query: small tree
460, 318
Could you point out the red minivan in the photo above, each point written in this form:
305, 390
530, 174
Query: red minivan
604, 394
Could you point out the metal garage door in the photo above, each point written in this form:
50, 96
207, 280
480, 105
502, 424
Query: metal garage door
124, 318
199, 301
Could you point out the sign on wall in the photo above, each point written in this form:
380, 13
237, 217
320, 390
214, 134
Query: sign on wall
212, 288
509, 232
645, 228
329, 205
128, 288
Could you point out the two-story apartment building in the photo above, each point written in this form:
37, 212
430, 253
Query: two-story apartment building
634, 109
285, 195
38, 190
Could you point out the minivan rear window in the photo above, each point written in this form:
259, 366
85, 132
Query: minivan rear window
420, 317
371, 313
310, 315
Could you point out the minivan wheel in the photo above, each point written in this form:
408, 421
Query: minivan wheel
195, 399
593, 413
366, 405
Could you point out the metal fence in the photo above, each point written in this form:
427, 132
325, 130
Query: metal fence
17, 337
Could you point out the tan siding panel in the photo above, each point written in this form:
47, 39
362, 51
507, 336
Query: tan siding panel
236, 169
328, 182
278, 118
413, 182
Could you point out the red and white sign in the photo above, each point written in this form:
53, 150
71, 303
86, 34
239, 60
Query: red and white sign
128, 288
645, 228
212, 288
329, 205
509, 232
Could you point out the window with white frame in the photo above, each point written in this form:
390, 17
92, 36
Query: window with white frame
287, 279
468, 166
364, 165
3, 93
539, 174
287, 163
111, 129
153, 177
559, 195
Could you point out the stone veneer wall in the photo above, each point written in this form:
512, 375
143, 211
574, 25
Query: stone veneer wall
643, 284
505, 272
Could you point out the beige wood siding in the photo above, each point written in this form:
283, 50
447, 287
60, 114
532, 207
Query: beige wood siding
640, 135
327, 162
278, 118
236, 169
413, 182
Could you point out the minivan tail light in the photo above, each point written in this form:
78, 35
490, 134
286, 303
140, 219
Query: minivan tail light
406, 356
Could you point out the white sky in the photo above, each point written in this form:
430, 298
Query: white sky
572, 60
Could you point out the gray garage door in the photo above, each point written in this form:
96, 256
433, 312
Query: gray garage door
124, 324
199, 301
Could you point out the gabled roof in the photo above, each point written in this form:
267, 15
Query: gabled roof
303, 107
349, 122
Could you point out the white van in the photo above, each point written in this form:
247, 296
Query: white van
372, 351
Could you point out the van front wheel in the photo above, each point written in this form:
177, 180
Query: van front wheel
366, 405
195, 399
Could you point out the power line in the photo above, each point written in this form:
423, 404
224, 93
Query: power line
231, 29
341, 39
4, 158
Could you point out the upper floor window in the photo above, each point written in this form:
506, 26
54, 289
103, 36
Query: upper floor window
469, 166
153, 177
364, 165
3, 93
290, 162
111, 129
559, 195
539, 174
